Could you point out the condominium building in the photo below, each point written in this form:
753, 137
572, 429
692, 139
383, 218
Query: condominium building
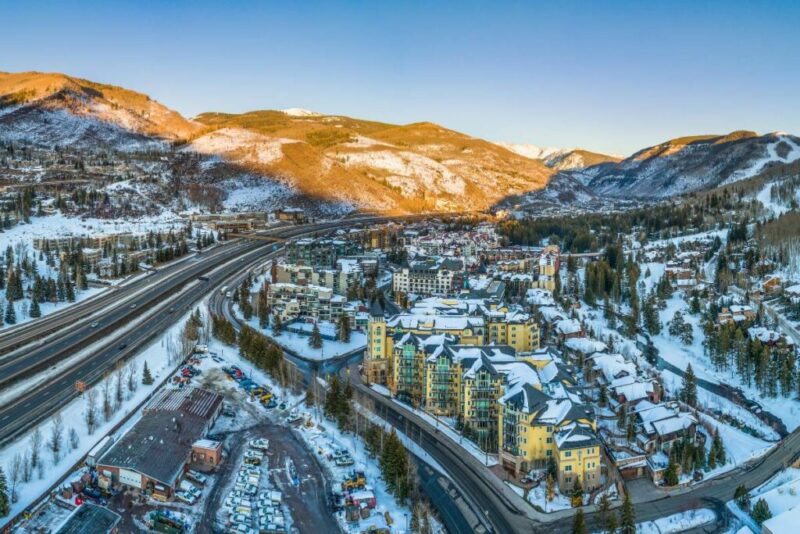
429, 277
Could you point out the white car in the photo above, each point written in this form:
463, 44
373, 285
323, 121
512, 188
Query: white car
261, 444
198, 477
240, 519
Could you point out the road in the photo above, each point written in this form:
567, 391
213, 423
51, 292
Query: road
111, 342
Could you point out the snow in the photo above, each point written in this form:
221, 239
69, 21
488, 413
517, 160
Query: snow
300, 112
240, 144
298, 343
771, 156
73, 416
764, 196
537, 496
680, 522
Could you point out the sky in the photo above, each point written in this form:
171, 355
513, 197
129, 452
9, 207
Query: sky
610, 76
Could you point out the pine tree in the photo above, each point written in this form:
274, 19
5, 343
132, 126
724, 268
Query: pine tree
35, 310
343, 329
621, 418
689, 390
579, 523
5, 507
604, 510
719, 446
650, 314
315, 341
742, 497
277, 324
671, 474
147, 378
627, 517
761, 511
11, 315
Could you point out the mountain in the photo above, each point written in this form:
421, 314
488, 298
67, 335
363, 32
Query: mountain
56, 109
688, 164
325, 158
560, 158
413, 167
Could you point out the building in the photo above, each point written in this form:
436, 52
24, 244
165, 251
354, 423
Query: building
291, 301
536, 428
320, 253
346, 274
429, 277
152, 456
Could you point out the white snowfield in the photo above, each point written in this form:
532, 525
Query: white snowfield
300, 112
240, 144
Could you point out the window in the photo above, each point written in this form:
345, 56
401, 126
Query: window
549, 440
567, 468
549, 428
549, 453
567, 454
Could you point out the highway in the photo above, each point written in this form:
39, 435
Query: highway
93, 352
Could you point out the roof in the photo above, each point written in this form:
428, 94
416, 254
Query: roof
575, 436
159, 444
89, 519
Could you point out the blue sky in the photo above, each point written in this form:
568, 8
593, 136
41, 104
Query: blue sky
609, 76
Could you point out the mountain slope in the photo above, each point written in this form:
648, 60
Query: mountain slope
414, 167
46, 108
690, 164
561, 159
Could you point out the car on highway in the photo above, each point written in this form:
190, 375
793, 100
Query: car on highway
133, 305
122, 346
94, 324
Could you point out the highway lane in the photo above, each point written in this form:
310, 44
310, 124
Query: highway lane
35, 331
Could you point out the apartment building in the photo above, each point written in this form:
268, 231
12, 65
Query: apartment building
441, 276
346, 274
291, 301
320, 253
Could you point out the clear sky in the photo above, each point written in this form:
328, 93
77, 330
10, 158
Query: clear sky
608, 76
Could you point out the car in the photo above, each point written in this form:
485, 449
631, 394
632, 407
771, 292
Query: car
187, 497
133, 305
198, 477
94, 324
123, 346
259, 444
240, 519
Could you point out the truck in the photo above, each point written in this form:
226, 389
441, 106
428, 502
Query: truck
223, 290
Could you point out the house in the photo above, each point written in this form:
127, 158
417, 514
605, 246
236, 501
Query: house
568, 329
793, 293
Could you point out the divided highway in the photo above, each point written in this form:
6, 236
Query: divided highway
96, 351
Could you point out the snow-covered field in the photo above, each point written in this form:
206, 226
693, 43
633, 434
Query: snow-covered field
680, 522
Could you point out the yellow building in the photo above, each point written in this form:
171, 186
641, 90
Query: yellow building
409, 354
516, 329
535, 428
377, 359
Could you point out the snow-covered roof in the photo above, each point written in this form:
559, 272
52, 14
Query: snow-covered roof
575, 435
635, 391
585, 345
613, 366
568, 326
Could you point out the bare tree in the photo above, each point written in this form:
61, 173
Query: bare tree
90, 415
55, 443
108, 410
40, 470
15, 475
119, 393
36, 447
74, 440
26, 467
131, 370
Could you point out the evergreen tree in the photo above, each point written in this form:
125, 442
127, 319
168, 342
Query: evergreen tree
652, 323
394, 467
35, 310
147, 378
579, 523
11, 315
689, 390
315, 341
671, 474
5, 506
761, 511
604, 511
343, 329
627, 517
719, 446
277, 324
621, 418
742, 497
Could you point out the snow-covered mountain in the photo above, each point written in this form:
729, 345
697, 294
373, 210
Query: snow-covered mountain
560, 158
692, 164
